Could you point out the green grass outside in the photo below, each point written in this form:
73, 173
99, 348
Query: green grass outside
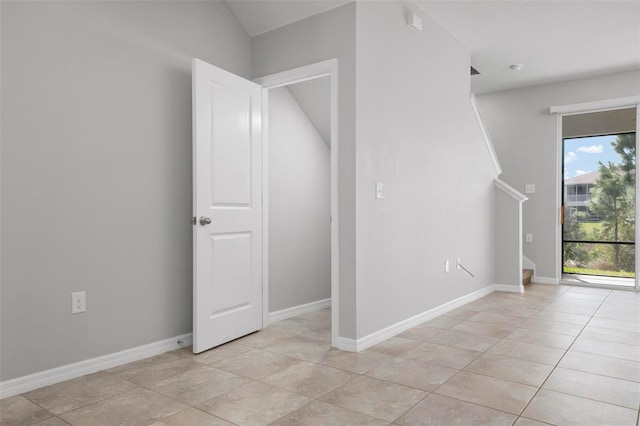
586, 271
589, 227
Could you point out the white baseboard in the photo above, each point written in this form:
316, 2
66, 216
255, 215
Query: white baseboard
71, 371
346, 344
397, 328
545, 280
509, 288
298, 310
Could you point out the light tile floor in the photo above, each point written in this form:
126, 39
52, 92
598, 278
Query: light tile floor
553, 355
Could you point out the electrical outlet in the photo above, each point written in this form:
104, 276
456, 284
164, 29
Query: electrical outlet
446, 265
78, 302
458, 266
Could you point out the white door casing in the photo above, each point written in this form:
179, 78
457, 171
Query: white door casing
583, 108
327, 68
227, 189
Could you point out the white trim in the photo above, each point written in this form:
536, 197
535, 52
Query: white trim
520, 248
519, 198
637, 286
328, 68
559, 193
510, 191
485, 134
545, 280
600, 281
584, 108
77, 369
346, 344
298, 75
299, 310
509, 288
404, 325
265, 208
602, 105
528, 264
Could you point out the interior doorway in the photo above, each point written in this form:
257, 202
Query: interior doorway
599, 198
305, 224
299, 189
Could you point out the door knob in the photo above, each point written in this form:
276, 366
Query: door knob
204, 221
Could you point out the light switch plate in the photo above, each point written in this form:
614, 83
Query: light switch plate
380, 190
530, 188
528, 237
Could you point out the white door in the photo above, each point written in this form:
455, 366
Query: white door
227, 182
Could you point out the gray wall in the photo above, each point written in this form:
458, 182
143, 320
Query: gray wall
325, 36
507, 239
417, 134
525, 139
96, 172
299, 206
314, 97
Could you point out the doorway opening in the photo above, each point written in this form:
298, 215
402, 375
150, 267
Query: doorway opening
599, 198
299, 188
300, 198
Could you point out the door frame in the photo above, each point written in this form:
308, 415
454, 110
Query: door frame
583, 108
327, 68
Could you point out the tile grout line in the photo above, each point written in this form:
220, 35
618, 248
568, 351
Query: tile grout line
392, 357
564, 354
600, 374
92, 402
517, 416
539, 387
364, 374
502, 339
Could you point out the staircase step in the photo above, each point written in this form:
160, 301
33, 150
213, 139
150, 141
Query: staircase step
526, 276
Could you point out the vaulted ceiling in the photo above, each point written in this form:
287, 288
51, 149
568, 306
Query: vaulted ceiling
554, 40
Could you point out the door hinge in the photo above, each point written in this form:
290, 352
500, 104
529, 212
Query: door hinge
193, 220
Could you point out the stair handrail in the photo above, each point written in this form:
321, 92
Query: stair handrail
510, 190
485, 134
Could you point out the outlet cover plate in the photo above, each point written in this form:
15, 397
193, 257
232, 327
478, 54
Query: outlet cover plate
78, 302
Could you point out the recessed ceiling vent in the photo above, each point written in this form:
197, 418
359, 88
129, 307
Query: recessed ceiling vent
474, 71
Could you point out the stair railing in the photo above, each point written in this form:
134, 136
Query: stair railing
508, 237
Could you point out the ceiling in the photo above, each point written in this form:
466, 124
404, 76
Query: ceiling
314, 98
554, 40
261, 16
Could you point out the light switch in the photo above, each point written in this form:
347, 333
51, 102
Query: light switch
528, 237
380, 190
530, 188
